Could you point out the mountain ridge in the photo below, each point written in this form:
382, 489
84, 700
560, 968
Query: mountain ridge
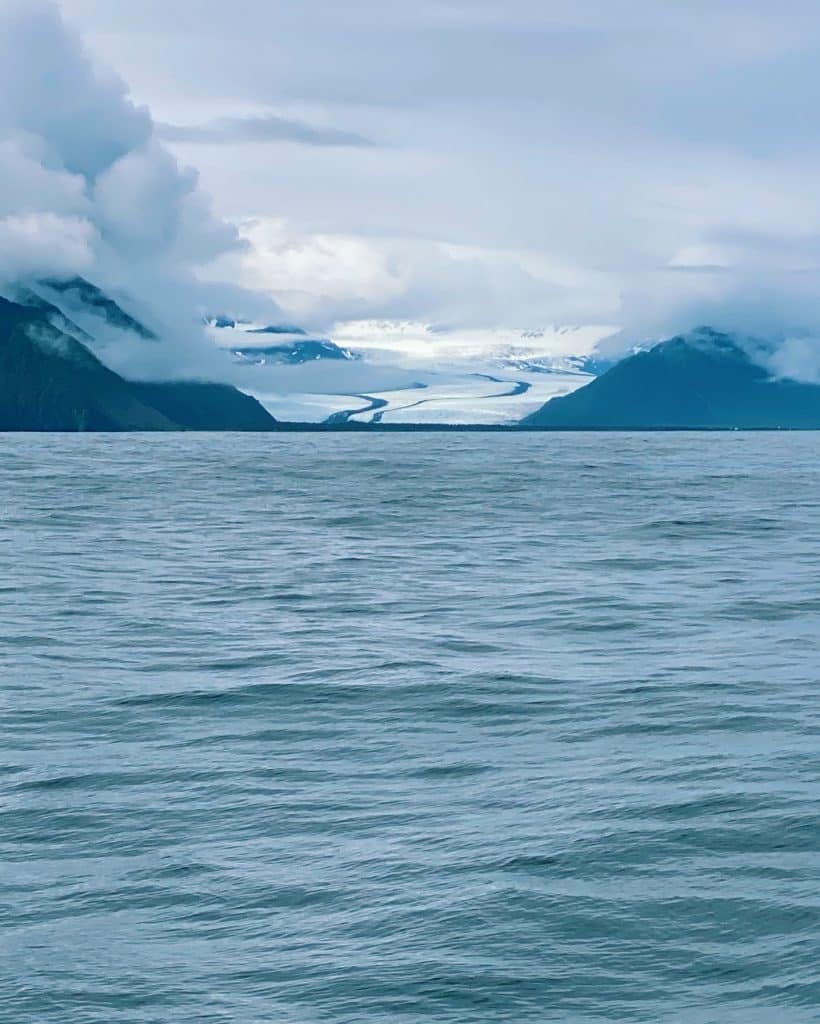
703, 380
50, 381
94, 300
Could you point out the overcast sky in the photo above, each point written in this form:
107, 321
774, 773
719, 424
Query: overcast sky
477, 164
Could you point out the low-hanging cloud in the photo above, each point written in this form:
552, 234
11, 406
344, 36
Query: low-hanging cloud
663, 153
36, 244
653, 166
227, 131
74, 145
87, 188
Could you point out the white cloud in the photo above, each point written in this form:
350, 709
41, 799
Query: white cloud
323, 279
541, 162
85, 187
587, 153
37, 244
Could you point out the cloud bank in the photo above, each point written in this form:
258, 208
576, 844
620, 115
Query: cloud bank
649, 164
74, 147
87, 188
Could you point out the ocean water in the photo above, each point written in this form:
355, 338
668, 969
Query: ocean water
419, 728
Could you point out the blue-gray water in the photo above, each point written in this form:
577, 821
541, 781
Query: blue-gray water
413, 728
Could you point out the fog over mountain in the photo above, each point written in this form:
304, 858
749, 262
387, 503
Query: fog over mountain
87, 189
649, 166
632, 168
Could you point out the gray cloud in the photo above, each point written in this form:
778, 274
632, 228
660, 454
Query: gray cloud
86, 188
648, 164
233, 130
73, 145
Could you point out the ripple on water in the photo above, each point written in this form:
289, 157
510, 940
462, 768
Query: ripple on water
407, 729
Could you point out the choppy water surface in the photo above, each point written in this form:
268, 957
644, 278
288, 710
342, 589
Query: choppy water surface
468, 728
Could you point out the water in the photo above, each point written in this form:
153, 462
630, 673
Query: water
472, 728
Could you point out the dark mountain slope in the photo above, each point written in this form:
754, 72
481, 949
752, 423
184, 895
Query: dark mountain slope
50, 381
200, 405
25, 296
91, 298
295, 354
702, 380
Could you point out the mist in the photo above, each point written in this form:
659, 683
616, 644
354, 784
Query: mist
624, 167
87, 189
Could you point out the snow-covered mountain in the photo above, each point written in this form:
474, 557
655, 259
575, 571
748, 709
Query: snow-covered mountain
551, 348
434, 374
272, 343
705, 379
370, 371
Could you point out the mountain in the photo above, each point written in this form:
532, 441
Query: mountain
585, 365
89, 298
228, 323
278, 329
50, 381
273, 343
295, 353
202, 405
703, 380
25, 296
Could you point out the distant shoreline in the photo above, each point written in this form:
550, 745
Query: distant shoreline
515, 428
440, 428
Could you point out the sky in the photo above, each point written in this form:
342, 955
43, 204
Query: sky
466, 164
